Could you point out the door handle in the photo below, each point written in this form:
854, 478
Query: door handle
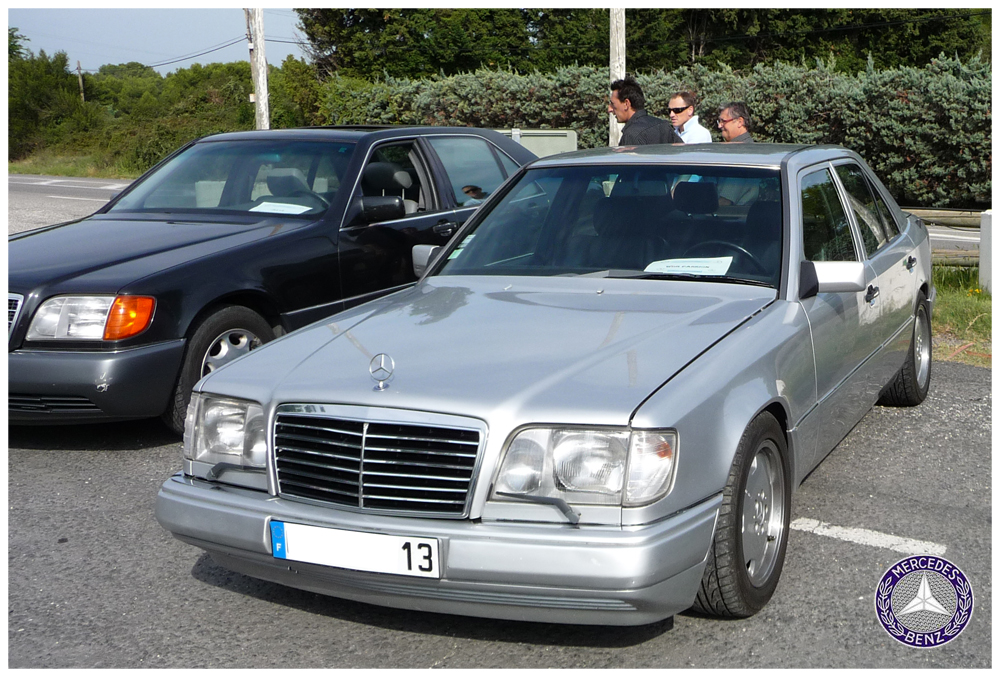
445, 228
872, 294
910, 262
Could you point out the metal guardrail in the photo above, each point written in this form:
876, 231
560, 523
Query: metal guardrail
957, 218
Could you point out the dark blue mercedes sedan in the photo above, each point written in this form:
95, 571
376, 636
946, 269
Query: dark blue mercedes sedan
233, 240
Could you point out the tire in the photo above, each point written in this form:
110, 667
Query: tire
744, 564
220, 338
909, 386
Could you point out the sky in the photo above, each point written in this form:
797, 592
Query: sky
96, 37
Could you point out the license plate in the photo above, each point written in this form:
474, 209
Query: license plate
378, 553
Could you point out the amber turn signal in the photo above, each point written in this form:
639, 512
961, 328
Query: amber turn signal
130, 315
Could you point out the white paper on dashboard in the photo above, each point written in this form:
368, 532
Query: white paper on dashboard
280, 208
713, 266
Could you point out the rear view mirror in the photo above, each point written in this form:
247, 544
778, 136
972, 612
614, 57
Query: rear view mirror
819, 277
382, 208
423, 257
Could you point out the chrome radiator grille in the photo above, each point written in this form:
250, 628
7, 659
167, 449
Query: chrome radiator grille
389, 467
13, 308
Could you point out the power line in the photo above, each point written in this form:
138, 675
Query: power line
192, 56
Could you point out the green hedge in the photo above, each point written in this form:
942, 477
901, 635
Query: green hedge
925, 131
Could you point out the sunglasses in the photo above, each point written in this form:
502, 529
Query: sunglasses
678, 111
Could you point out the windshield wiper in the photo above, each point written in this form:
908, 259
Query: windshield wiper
643, 275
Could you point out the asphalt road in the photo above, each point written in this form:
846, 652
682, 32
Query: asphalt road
94, 582
35, 201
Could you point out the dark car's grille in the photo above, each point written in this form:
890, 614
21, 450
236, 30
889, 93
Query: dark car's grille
375, 466
13, 309
50, 404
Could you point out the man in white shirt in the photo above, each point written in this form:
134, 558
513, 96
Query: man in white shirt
684, 120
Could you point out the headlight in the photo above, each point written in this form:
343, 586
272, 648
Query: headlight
602, 467
91, 318
225, 430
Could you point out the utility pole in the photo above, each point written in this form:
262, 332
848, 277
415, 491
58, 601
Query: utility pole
79, 74
617, 67
258, 66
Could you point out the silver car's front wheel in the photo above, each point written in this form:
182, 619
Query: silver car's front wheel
748, 549
763, 513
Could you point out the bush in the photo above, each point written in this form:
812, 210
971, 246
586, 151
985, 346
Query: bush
925, 131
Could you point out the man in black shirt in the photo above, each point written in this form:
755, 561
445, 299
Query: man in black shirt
628, 105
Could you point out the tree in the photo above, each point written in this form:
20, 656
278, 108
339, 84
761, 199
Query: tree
15, 48
41, 94
370, 43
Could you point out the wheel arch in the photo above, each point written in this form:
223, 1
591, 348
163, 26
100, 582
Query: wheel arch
257, 301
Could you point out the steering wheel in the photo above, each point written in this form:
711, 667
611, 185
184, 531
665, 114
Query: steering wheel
732, 247
309, 194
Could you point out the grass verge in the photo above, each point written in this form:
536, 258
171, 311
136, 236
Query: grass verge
963, 316
51, 163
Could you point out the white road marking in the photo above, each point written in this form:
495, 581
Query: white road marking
64, 197
71, 184
876, 539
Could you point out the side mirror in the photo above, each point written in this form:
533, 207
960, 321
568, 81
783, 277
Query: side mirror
423, 257
382, 208
818, 277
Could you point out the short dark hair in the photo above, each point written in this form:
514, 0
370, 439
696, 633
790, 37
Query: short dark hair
628, 88
738, 109
688, 98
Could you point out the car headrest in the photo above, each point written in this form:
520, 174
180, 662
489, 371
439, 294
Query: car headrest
285, 181
764, 220
385, 177
696, 197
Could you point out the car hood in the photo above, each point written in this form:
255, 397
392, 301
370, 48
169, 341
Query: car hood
567, 350
102, 253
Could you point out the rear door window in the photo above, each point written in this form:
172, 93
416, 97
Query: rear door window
873, 231
472, 167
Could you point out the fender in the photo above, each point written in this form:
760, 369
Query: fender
767, 363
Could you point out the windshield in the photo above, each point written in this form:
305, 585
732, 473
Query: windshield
671, 221
267, 176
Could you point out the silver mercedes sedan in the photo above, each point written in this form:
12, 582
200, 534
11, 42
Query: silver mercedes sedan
593, 407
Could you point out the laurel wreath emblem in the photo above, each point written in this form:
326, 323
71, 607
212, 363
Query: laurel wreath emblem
883, 601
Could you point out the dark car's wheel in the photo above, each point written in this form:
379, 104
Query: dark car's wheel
748, 549
221, 337
909, 386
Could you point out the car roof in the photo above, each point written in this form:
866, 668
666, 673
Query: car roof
759, 154
349, 133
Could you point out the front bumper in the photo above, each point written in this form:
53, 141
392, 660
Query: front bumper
47, 386
552, 573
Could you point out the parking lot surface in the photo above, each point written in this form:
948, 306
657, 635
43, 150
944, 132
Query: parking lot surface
94, 582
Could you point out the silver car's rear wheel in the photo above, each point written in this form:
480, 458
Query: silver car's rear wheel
748, 550
909, 386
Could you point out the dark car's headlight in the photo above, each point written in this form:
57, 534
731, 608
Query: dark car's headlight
91, 318
597, 467
224, 430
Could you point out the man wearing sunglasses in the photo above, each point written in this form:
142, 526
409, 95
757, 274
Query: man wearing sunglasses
684, 120
734, 123
628, 105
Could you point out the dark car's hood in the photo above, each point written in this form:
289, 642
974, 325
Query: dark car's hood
566, 349
103, 254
